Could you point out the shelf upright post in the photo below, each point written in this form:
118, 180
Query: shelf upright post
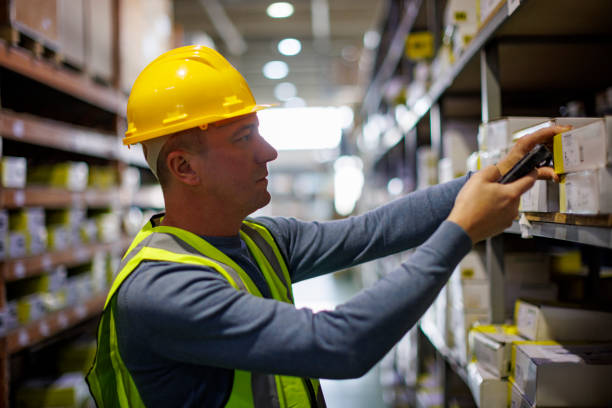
490, 88
4, 357
435, 126
490, 91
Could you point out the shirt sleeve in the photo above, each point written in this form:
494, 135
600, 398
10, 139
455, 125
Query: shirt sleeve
316, 248
192, 315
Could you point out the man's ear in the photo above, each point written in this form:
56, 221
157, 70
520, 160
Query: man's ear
180, 166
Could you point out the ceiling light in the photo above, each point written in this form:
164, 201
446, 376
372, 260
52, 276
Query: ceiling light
275, 70
281, 9
295, 102
285, 91
289, 46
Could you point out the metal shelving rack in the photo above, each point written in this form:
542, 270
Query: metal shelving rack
537, 27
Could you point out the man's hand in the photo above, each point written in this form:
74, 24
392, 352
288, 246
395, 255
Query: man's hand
524, 146
484, 207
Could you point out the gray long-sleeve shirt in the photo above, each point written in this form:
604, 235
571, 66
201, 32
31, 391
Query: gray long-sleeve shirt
182, 329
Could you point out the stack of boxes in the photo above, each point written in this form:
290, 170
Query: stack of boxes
529, 364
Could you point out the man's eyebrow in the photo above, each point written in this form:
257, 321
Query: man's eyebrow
250, 126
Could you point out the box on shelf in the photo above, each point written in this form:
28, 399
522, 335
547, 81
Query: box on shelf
99, 27
461, 12
585, 147
30, 308
558, 375
457, 144
88, 231
586, 192
499, 134
69, 390
16, 244
539, 320
4, 230
469, 294
71, 31
542, 197
488, 391
102, 177
36, 18
47, 282
108, 226
60, 237
460, 323
14, 172
70, 175
30, 221
427, 167
491, 346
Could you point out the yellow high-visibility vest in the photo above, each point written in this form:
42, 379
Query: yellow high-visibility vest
110, 381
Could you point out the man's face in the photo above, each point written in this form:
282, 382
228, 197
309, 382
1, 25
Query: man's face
234, 166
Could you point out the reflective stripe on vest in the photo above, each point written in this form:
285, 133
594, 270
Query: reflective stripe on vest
109, 380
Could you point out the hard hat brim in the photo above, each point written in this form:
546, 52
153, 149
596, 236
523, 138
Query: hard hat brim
187, 124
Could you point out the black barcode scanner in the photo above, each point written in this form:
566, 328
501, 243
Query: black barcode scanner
538, 156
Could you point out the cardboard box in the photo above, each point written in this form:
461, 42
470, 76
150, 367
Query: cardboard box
14, 171
586, 192
517, 400
585, 147
60, 237
557, 375
473, 266
72, 175
99, 26
37, 18
71, 31
69, 390
561, 322
461, 12
488, 391
469, 294
491, 346
542, 197
499, 134
16, 244
460, 323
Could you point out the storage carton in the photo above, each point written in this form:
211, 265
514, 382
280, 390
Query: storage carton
16, 244
557, 375
468, 294
542, 197
585, 147
586, 192
488, 391
513, 291
460, 323
14, 171
491, 346
472, 266
538, 320
68, 390
499, 134
72, 176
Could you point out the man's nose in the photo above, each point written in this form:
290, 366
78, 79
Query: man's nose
266, 153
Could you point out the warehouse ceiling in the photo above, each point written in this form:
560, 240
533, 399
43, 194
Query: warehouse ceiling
333, 67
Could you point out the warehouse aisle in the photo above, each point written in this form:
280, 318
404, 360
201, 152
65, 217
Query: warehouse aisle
326, 292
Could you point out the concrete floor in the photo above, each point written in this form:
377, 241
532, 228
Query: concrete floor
324, 293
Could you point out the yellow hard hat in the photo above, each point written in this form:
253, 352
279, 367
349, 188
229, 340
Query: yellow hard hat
184, 88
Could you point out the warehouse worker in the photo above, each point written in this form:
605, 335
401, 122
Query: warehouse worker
201, 313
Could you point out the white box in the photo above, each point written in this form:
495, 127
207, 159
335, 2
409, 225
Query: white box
461, 12
542, 197
460, 323
586, 192
491, 346
469, 294
527, 267
16, 244
499, 134
517, 400
559, 375
14, 172
488, 390
472, 266
486, 8
560, 322
585, 147
457, 145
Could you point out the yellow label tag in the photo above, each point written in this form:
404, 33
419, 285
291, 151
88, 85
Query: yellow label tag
558, 153
562, 195
467, 273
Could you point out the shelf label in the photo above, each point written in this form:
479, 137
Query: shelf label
44, 329
19, 198
23, 338
19, 269
18, 128
62, 320
512, 5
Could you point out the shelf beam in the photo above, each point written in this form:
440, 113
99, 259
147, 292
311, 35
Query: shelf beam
72, 83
